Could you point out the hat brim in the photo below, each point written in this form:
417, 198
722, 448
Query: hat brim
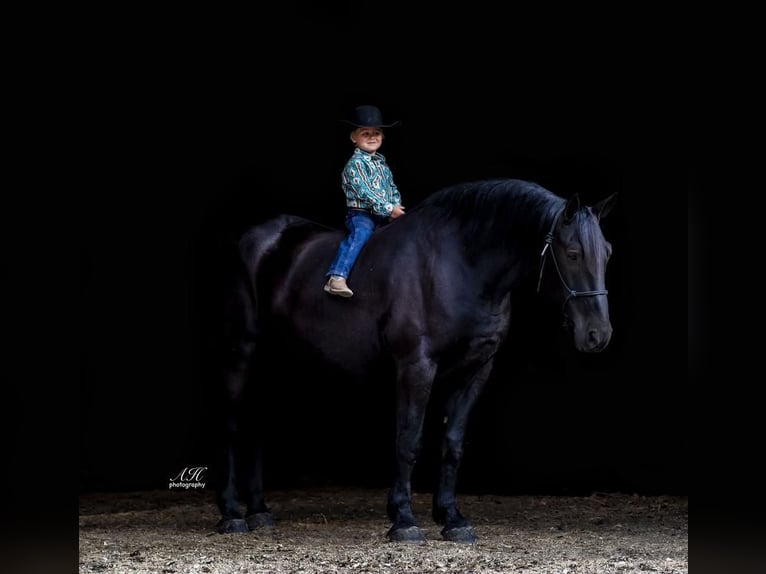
356, 125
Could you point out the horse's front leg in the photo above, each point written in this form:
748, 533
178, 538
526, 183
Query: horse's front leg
458, 409
414, 384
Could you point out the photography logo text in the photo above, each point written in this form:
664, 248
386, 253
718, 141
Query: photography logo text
189, 477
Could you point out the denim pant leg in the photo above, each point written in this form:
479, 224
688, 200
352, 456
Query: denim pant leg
360, 226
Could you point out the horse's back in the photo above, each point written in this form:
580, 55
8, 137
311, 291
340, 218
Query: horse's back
285, 261
277, 234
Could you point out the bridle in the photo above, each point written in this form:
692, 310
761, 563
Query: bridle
571, 293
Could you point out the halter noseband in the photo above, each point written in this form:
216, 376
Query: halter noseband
570, 292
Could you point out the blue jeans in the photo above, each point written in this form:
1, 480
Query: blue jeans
359, 226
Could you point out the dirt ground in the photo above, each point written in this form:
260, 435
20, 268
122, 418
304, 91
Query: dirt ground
343, 530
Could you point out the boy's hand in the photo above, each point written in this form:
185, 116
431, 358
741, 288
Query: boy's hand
397, 211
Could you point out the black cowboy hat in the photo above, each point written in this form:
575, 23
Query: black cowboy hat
369, 117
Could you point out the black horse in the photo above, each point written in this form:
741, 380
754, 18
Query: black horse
432, 300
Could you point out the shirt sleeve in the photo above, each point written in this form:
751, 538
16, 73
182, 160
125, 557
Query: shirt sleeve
370, 186
396, 198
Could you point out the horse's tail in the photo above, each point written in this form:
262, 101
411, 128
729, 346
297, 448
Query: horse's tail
237, 327
242, 304
253, 249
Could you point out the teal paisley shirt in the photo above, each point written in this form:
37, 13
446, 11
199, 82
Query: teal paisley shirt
369, 184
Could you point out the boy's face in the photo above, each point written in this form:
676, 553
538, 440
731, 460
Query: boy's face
367, 139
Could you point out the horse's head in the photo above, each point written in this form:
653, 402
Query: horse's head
574, 259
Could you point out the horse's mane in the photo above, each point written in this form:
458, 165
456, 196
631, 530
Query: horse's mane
486, 207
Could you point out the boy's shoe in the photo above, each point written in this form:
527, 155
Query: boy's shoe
336, 285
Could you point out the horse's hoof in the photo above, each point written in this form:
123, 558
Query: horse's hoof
260, 520
462, 534
409, 535
231, 526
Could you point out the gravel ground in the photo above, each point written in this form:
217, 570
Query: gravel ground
343, 530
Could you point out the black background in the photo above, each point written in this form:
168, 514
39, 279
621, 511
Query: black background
207, 130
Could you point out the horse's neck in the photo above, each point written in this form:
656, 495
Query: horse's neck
510, 251
503, 264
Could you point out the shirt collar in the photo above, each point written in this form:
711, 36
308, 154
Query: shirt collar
376, 156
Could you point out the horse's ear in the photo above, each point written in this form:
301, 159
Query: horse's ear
603, 207
570, 209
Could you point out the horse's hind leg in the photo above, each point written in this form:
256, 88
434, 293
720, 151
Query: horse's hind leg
413, 390
445, 511
240, 477
232, 442
258, 514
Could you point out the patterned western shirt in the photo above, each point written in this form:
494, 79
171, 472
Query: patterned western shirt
369, 184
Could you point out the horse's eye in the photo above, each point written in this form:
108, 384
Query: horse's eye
573, 254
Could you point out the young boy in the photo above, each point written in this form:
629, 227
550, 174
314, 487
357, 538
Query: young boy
371, 195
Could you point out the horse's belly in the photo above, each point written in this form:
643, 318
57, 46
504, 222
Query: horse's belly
353, 349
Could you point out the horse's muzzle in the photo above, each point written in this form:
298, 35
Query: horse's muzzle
592, 339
